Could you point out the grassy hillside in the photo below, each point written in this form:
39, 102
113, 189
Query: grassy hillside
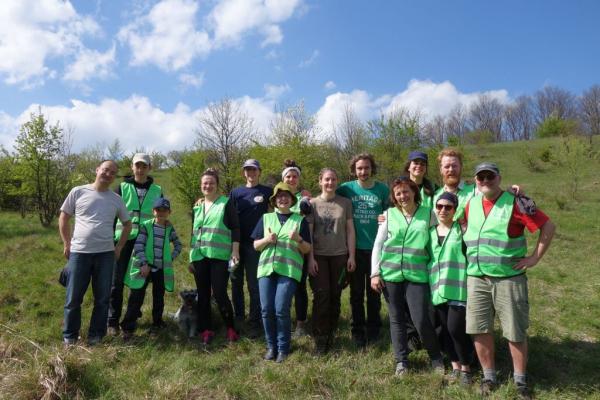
564, 333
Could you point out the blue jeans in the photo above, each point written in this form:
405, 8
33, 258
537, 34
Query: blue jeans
83, 267
276, 292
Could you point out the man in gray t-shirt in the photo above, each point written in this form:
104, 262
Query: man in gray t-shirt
90, 250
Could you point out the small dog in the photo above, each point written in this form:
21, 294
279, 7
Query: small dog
187, 315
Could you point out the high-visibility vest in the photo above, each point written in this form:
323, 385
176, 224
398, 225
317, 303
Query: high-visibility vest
447, 267
138, 213
210, 237
464, 194
134, 278
404, 255
284, 256
296, 207
490, 251
426, 200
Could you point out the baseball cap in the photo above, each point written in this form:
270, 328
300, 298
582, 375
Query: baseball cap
141, 157
251, 163
487, 166
161, 202
417, 155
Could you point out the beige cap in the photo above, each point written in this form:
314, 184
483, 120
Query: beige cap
141, 157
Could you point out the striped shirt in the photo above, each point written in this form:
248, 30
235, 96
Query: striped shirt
159, 240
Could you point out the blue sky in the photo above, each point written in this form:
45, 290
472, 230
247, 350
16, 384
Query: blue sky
143, 71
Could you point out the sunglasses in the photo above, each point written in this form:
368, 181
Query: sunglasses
447, 207
490, 176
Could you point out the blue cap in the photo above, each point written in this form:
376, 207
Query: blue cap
417, 155
251, 163
161, 202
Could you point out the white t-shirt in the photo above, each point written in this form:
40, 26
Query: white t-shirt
94, 214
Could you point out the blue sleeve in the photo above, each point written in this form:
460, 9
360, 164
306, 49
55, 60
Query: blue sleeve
259, 230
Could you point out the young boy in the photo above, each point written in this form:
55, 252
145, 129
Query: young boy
139, 192
152, 262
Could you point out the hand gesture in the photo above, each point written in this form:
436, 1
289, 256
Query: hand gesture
272, 237
294, 235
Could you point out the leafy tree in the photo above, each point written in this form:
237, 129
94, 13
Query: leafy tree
556, 126
42, 153
186, 176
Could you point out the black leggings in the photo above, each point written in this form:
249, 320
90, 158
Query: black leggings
301, 296
210, 273
457, 344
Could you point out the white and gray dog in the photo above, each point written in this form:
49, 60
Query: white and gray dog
187, 315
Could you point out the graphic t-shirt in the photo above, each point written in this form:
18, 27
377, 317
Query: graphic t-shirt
251, 204
329, 218
367, 204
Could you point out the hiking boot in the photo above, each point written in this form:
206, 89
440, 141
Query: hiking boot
487, 387
466, 378
270, 355
438, 366
281, 357
207, 336
523, 391
300, 330
401, 369
453, 376
232, 335
93, 340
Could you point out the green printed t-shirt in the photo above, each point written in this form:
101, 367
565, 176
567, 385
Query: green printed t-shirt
367, 204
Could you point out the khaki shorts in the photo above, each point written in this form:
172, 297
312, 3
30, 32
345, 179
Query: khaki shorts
507, 297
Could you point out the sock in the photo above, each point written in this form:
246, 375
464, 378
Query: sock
520, 378
489, 374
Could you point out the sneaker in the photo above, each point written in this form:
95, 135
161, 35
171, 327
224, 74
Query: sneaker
438, 366
453, 376
112, 331
466, 378
93, 340
232, 335
523, 391
69, 342
487, 387
281, 357
401, 369
270, 355
207, 336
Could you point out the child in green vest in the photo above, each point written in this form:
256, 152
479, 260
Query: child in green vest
152, 262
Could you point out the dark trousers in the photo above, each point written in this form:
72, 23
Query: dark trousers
360, 282
457, 344
116, 290
211, 274
301, 296
248, 266
417, 296
136, 300
326, 294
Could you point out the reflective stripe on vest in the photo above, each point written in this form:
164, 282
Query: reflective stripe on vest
490, 251
464, 195
134, 278
284, 256
137, 213
210, 237
447, 267
403, 256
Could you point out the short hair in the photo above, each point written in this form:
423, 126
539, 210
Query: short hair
363, 156
210, 172
405, 180
450, 152
108, 160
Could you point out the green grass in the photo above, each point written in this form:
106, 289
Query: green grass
564, 333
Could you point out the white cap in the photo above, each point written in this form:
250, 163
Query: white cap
141, 157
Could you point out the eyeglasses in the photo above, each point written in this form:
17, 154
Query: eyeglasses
490, 176
447, 207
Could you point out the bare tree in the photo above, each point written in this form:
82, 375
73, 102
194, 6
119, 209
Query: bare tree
486, 115
554, 101
223, 132
519, 119
436, 131
457, 123
293, 125
589, 106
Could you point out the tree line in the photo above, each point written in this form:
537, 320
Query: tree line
36, 176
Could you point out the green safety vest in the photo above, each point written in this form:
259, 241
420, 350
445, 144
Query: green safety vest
426, 200
404, 255
134, 278
284, 256
296, 207
447, 267
490, 251
210, 237
464, 195
137, 213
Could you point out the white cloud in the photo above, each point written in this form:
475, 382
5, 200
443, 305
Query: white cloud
329, 85
274, 91
166, 36
191, 80
91, 64
310, 60
232, 19
427, 97
34, 31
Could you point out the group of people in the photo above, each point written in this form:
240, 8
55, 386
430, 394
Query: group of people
447, 259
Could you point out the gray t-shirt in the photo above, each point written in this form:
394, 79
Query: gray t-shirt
329, 222
94, 214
